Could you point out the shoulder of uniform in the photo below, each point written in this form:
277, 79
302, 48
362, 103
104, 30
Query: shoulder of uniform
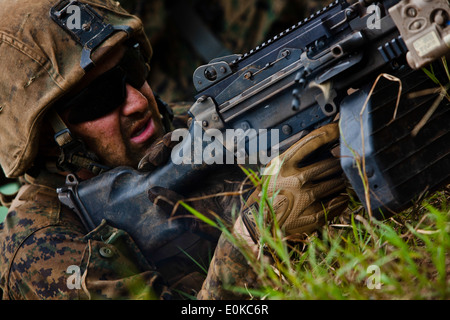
36, 202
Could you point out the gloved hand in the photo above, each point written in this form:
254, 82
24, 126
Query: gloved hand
158, 154
310, 187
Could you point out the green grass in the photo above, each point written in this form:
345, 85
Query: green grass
354, 257
357, 257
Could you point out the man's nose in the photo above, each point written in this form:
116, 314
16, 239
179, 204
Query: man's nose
135, 102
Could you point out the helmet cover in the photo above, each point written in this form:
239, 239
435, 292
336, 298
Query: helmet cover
41, 62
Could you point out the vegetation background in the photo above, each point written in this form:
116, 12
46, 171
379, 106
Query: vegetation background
354, 257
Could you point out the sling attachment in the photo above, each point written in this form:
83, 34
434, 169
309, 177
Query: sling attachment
74, 155
68, 195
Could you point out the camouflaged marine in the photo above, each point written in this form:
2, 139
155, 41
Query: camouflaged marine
75, 98
57, 77
41, 241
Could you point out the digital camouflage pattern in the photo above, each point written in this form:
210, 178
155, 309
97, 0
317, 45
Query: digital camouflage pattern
40, 239
42, 243
228, 270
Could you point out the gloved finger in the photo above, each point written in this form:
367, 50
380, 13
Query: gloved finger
154, 159
314, 217
305, 224
158, 154
168, 142
323, 136
325, 189
327, 211
320, 171
336, 206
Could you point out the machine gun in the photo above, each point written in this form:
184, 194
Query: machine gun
327, 65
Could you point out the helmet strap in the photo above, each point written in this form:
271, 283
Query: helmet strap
74, 155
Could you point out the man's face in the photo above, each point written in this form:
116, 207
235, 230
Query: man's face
123, 136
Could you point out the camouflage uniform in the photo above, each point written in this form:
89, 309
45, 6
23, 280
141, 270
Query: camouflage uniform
43, 242
41, 239
228, 269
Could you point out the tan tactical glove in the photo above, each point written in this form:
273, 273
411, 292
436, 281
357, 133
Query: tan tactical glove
158, 154
161, 149
310, 187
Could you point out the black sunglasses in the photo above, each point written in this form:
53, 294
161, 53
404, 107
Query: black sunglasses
108, 91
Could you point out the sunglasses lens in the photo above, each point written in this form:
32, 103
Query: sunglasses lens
102, 97
106, 93
134, 67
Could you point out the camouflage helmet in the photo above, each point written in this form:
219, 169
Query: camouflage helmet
41, 62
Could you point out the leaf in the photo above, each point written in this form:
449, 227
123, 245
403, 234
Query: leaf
431, 75
198, 215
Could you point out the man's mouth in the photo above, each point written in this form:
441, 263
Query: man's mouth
143, 132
